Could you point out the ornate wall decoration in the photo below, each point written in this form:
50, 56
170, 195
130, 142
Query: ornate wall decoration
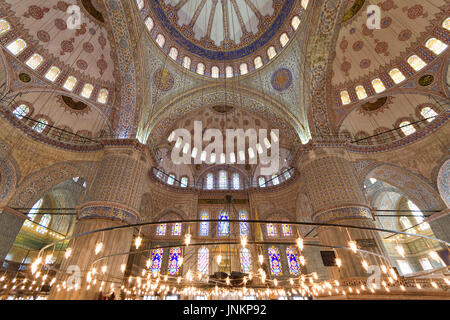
108, 211
8, 176
281, 79
443, 182
163, 79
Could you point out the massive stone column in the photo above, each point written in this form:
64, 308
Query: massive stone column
337, 198
112, 200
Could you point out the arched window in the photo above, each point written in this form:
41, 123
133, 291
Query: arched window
416, 62
361, 92
236, 181
176, 229
215, 72
34, 61
140, 4
446, 24
396, 75
33, 211
40, 125
17, 46
203, 260
224, 227
223, 180
287, 230
102, 96
436, 45
45, 221
4, 26
161, 229
229, 72
284, 39
160, 40
378, 85
184, 182
305, 4
174, 259
262, 182
418, 215
243, 226
87, 90
407, 128
157, 256
275, 180
295, 22
187, 62
52, 73
70, 83
275, 261
286, 173
201, 68
271, 230
243, 68
204, 226
171, 179
258, 62
345, 97
428, 113
149, 23
292, 258
271, 52
21, 111
209, 181
246, 265
173, 53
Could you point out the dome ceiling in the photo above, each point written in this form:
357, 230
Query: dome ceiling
222, 33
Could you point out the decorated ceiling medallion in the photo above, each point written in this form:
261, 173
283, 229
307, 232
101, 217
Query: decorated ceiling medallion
281, 79
163, 79
426, 80
74, 105
222, 109
354, 7
97, 15
24, 77
377, 105
222, 30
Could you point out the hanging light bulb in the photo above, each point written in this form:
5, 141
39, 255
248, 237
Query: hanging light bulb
203, 156
219, 259
273, 136
338, 262
352, 245
178, 143
383, 268
186, 148
365, 265
261, 259
300, 243
302, 260
194, 152
180, 261
400, 250
98, 247
48, 259
393, 273
171, 136
104, 269
122, 268
223, 158
187, 239
68, 253
138, 241
228, 281
275, 282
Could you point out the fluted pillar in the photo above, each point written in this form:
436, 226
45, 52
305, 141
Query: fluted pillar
112, 200
337, 198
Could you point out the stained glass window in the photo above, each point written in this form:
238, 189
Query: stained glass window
428, 113
45, 221
435, 45
407, 128
176, 229
171, 179
204, 226
275, 180
34, 61
21, 111
258, 62
224, 227
287, 230
17, 46
223, 183
378, 85
246, 265
236, 182
40, 125
361, 92
243, 226
416, 63
397, 75
157, 256
262, 182
275, 261
203, 260
4, 26
187, 62
292, 258
345, 97
174, 258
184, 182
210, 181
34, 210
161, 229
271, 230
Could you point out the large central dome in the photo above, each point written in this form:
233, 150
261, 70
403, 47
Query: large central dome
222, 33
